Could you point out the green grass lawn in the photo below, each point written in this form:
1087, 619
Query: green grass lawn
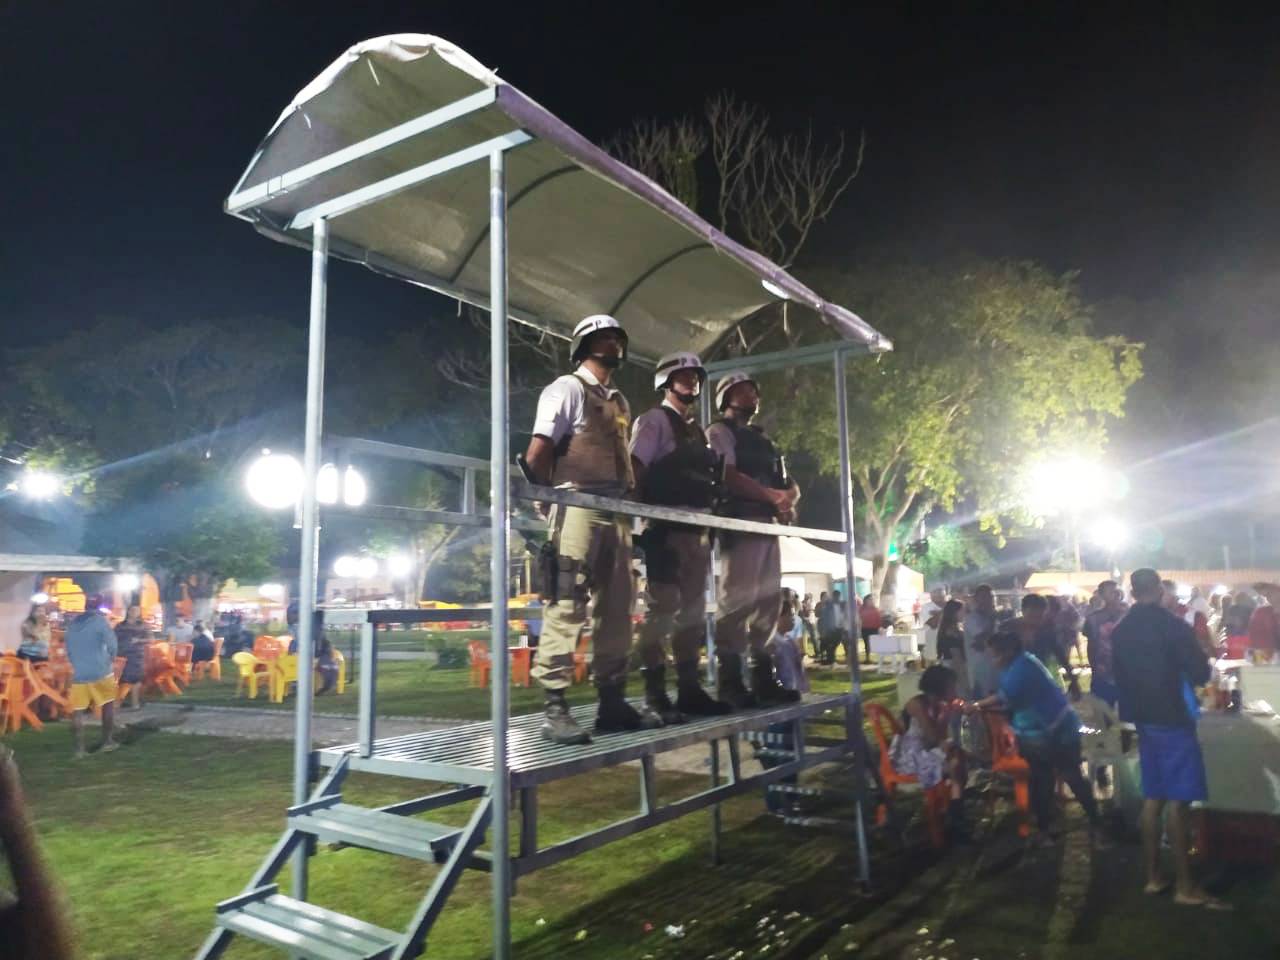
145, 841
419, 689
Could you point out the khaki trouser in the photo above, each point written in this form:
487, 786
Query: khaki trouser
600, 543
677, 571
750, 593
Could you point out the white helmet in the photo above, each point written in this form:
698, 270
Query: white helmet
680, 360
592, 324
728, 382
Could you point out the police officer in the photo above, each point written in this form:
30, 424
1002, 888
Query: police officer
674, 467
580, 443
751, 578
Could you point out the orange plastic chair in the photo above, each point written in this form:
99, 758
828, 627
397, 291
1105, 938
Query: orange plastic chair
159, 670
885, 726
251, 671
59, 666
182, 653
18, 693
122, 688
580, 662
268, 648
1005, 759
521, 661
480, 663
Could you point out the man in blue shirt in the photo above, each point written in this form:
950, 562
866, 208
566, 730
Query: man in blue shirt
91, 648
1155, 659
1048, 729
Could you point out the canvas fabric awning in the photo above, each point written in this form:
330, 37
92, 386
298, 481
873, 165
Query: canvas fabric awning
587, 234
801, 556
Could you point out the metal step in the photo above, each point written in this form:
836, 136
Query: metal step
331, 821
303, 929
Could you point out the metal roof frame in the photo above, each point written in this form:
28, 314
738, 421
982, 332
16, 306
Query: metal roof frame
300, 203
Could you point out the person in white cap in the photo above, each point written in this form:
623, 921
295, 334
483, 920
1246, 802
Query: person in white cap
751, 578
579, 442
675, 467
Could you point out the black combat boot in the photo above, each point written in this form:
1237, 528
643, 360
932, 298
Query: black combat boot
615, 715
655, 695
558, 724
691, 699
765, 685
729, 686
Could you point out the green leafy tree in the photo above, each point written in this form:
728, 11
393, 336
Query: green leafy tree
995, 365
167, 417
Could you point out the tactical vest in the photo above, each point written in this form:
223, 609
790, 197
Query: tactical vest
688, 475
596, 458
755, 456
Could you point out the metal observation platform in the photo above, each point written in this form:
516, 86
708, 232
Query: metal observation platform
408, 156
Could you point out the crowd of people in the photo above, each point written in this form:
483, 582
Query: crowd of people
1145, 659
92, 645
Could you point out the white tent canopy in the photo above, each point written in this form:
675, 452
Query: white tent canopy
800, 557
587, 234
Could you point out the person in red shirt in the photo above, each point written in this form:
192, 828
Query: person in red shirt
872, 621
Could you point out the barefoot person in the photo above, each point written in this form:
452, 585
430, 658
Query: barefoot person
1155, 655
91, 648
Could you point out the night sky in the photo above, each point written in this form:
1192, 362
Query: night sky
1142, 151
1135, 152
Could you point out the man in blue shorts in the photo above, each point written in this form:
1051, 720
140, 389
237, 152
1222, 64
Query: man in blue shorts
1155, 656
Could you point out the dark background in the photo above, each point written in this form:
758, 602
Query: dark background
1140, 149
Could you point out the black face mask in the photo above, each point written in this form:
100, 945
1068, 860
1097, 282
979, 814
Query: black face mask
684, 398
608, 361
745, 412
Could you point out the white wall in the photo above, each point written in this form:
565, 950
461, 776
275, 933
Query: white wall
15, 604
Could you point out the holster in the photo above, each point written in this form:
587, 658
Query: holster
661, 563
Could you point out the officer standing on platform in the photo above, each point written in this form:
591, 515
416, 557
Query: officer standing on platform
674, 467
580, 443
751, 575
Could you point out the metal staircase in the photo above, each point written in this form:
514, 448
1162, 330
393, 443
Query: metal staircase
303, 929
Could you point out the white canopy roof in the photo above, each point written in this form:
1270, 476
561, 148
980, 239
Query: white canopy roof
801, 556
587, 234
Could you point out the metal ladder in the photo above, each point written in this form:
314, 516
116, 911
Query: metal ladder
303, 929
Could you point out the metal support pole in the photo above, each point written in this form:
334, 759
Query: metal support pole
309, 557
713, 561
855, 624
715, 809
468, 491
500, 518
368, 693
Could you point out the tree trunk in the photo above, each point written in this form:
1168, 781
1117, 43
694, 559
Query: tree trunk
203, 592
170, 589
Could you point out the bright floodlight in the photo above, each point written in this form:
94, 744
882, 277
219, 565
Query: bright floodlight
354, 490
1110, 533
127, 582
41, 597
399, 565
355, 568
345, 566
271, 591
40, 484
1071, 485
274, 480
366, 568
